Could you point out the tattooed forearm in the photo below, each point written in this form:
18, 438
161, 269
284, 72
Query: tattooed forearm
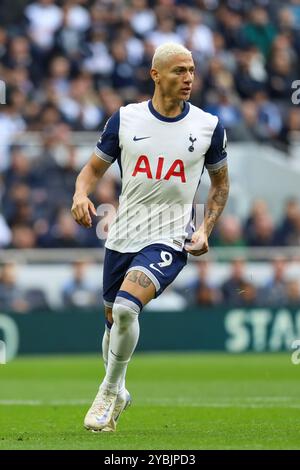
211, 217
217, 198
220, 195
139, 278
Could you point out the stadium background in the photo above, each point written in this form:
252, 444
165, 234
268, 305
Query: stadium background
65, 67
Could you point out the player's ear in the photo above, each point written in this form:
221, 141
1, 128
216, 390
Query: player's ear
155, 75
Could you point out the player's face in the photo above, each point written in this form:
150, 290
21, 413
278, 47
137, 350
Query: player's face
177, 76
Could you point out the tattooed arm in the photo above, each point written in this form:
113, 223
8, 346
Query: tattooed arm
217, 197
216, 201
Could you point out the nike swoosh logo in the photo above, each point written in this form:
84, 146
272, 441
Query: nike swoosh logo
140, 138
153, 267
103, 418
116, 355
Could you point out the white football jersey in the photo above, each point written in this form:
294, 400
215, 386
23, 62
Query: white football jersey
161, 161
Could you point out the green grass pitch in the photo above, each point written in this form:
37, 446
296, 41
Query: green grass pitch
180, 401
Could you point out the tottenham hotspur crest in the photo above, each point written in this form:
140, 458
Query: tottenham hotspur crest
191, 147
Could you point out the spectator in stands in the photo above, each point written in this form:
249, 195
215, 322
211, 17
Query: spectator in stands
70, 65
218, 77
202, 291
78, 291
123, 73
229, 232
49, 118
269, 116
230, 25
134, 47
227, 109
197, 36
77, 14
20, 169
23, 214
98, 59
20, 55
288, 231
68, 171
141, 17
81, 108
293, 292
281, 70
65, 233
23, 237
107, 191
16, 195
248, 295
262, 232
237, 290
11, 296
251, 74
59, 76
111, 101
164, 33
249, 128
144, 81
274, 293
259, 208
259, 30
44, 18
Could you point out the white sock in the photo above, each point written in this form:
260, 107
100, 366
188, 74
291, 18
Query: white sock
105, 349
105, 346
124, 336
122, 381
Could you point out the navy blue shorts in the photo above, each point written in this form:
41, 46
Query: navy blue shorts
159, 262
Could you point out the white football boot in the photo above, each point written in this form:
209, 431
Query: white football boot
123, 401
101, 412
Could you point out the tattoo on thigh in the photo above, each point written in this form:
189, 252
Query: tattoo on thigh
144, 280
139, 278
133, 276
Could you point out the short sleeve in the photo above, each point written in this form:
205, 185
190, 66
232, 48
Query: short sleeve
108, 148
216, 155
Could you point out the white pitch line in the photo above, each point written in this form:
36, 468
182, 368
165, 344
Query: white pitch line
44, 403
265, 398
161, 402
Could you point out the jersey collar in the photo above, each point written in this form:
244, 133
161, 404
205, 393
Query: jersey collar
159, 116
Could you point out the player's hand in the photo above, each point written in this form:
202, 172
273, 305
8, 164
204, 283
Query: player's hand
82, 209
198, 245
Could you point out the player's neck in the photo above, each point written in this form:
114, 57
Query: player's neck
167, 107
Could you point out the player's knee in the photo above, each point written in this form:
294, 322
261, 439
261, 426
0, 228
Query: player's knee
125, 312
123, 316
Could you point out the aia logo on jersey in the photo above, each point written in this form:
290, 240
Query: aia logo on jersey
176, 170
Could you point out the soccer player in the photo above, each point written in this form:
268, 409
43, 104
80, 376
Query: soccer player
162, 146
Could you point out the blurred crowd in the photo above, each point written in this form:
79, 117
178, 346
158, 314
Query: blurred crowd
74, 62
76, 292
240, 289
36, 197
259, 229
237, 288
69, 64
